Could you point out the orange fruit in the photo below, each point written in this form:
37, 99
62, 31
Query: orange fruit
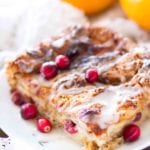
138, 11
91, 6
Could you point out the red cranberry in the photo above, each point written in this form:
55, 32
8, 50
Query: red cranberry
17, 98
28, 111
44, 125
62, 62
91, 75
138, 116
70, 127
48, 70
131, 133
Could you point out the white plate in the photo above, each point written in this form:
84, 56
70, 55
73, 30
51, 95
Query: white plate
26, 136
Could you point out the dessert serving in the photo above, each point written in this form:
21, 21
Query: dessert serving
89, 81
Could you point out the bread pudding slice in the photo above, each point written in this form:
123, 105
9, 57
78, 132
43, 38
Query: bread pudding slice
99, 111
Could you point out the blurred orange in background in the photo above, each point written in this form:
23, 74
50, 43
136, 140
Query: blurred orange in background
138, 11
91, 6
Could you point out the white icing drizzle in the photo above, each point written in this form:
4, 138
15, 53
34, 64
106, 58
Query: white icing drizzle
38, 79
59, 42
123, 78
109, 100
108, 65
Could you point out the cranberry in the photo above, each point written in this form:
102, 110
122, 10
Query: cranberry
28, 111
131, 133
91, 75
70, 127
17, 98
138, 116
44, 125
62, 62
48, 70
87, 114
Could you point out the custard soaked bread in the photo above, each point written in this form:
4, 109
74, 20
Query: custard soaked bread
89, 80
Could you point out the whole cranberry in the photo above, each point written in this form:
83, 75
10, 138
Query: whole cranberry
62, 62
91, 75
44, 125
28, 111
48, 70
17, 98
131, 133
70, 127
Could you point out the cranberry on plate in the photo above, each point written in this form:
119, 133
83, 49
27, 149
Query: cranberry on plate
28, 111
70, 127
131, 133
44, 125
48, 70
91, 75
62, 62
